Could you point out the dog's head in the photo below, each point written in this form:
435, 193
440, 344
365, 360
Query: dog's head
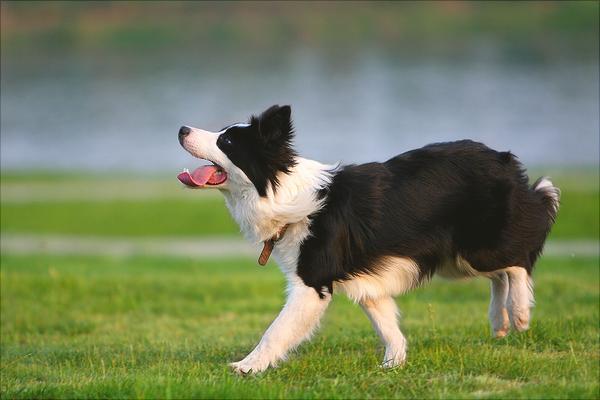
251, 154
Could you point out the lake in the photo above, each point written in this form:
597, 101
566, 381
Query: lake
121, 112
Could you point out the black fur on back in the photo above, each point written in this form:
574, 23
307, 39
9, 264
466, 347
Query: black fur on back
262, 149
430, 205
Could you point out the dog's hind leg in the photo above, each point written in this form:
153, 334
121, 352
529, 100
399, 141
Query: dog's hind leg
296, 322
520, 297
497, 312
383, 314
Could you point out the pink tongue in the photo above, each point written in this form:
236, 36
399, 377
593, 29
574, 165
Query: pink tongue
210, 174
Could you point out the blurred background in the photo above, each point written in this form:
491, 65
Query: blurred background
93, 94
104, 86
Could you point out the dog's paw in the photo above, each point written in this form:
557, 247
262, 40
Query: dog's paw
521, 324
393, 359
502, 332
500, 322
240, 368
248, 366
520, 319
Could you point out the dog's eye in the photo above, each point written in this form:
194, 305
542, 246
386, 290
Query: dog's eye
225, 140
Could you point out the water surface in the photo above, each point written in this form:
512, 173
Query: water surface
105, 112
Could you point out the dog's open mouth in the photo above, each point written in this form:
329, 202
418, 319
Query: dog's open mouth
206, 175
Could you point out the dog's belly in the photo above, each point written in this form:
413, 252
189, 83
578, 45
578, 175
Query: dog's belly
391, 276
459, 268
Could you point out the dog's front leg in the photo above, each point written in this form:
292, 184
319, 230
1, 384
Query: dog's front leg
295, 323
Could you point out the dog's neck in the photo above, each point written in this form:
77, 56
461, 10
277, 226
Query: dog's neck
295, 198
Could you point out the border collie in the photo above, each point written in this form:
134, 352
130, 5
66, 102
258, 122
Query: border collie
377, 230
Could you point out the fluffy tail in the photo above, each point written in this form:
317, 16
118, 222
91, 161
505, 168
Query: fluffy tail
550, 195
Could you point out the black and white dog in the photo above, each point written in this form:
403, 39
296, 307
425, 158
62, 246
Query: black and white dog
376, 230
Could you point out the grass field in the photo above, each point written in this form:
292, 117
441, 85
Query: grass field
148, 327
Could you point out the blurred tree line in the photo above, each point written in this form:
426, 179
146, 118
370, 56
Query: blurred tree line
540, 29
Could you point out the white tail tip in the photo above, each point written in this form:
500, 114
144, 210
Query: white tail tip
545, 186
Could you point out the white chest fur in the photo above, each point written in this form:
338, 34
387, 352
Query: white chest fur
291, 203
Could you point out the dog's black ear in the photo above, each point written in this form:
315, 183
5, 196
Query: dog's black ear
275, 123
274, 152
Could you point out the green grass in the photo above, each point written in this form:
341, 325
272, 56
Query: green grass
205, 217
162, 208
578, 216
81, 327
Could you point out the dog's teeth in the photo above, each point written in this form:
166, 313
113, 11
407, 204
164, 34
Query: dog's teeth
186, 170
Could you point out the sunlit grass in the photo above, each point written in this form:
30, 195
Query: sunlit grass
205, 217
76, 327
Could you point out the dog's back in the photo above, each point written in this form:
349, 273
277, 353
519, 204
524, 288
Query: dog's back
447, 203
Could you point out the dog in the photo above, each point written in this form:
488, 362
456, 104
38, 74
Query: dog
377, 230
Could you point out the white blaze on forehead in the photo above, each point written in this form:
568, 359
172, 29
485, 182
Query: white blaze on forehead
238, 125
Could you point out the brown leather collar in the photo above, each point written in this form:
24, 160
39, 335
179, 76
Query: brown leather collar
269, 244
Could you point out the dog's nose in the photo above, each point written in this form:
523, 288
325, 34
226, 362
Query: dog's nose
183, 132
